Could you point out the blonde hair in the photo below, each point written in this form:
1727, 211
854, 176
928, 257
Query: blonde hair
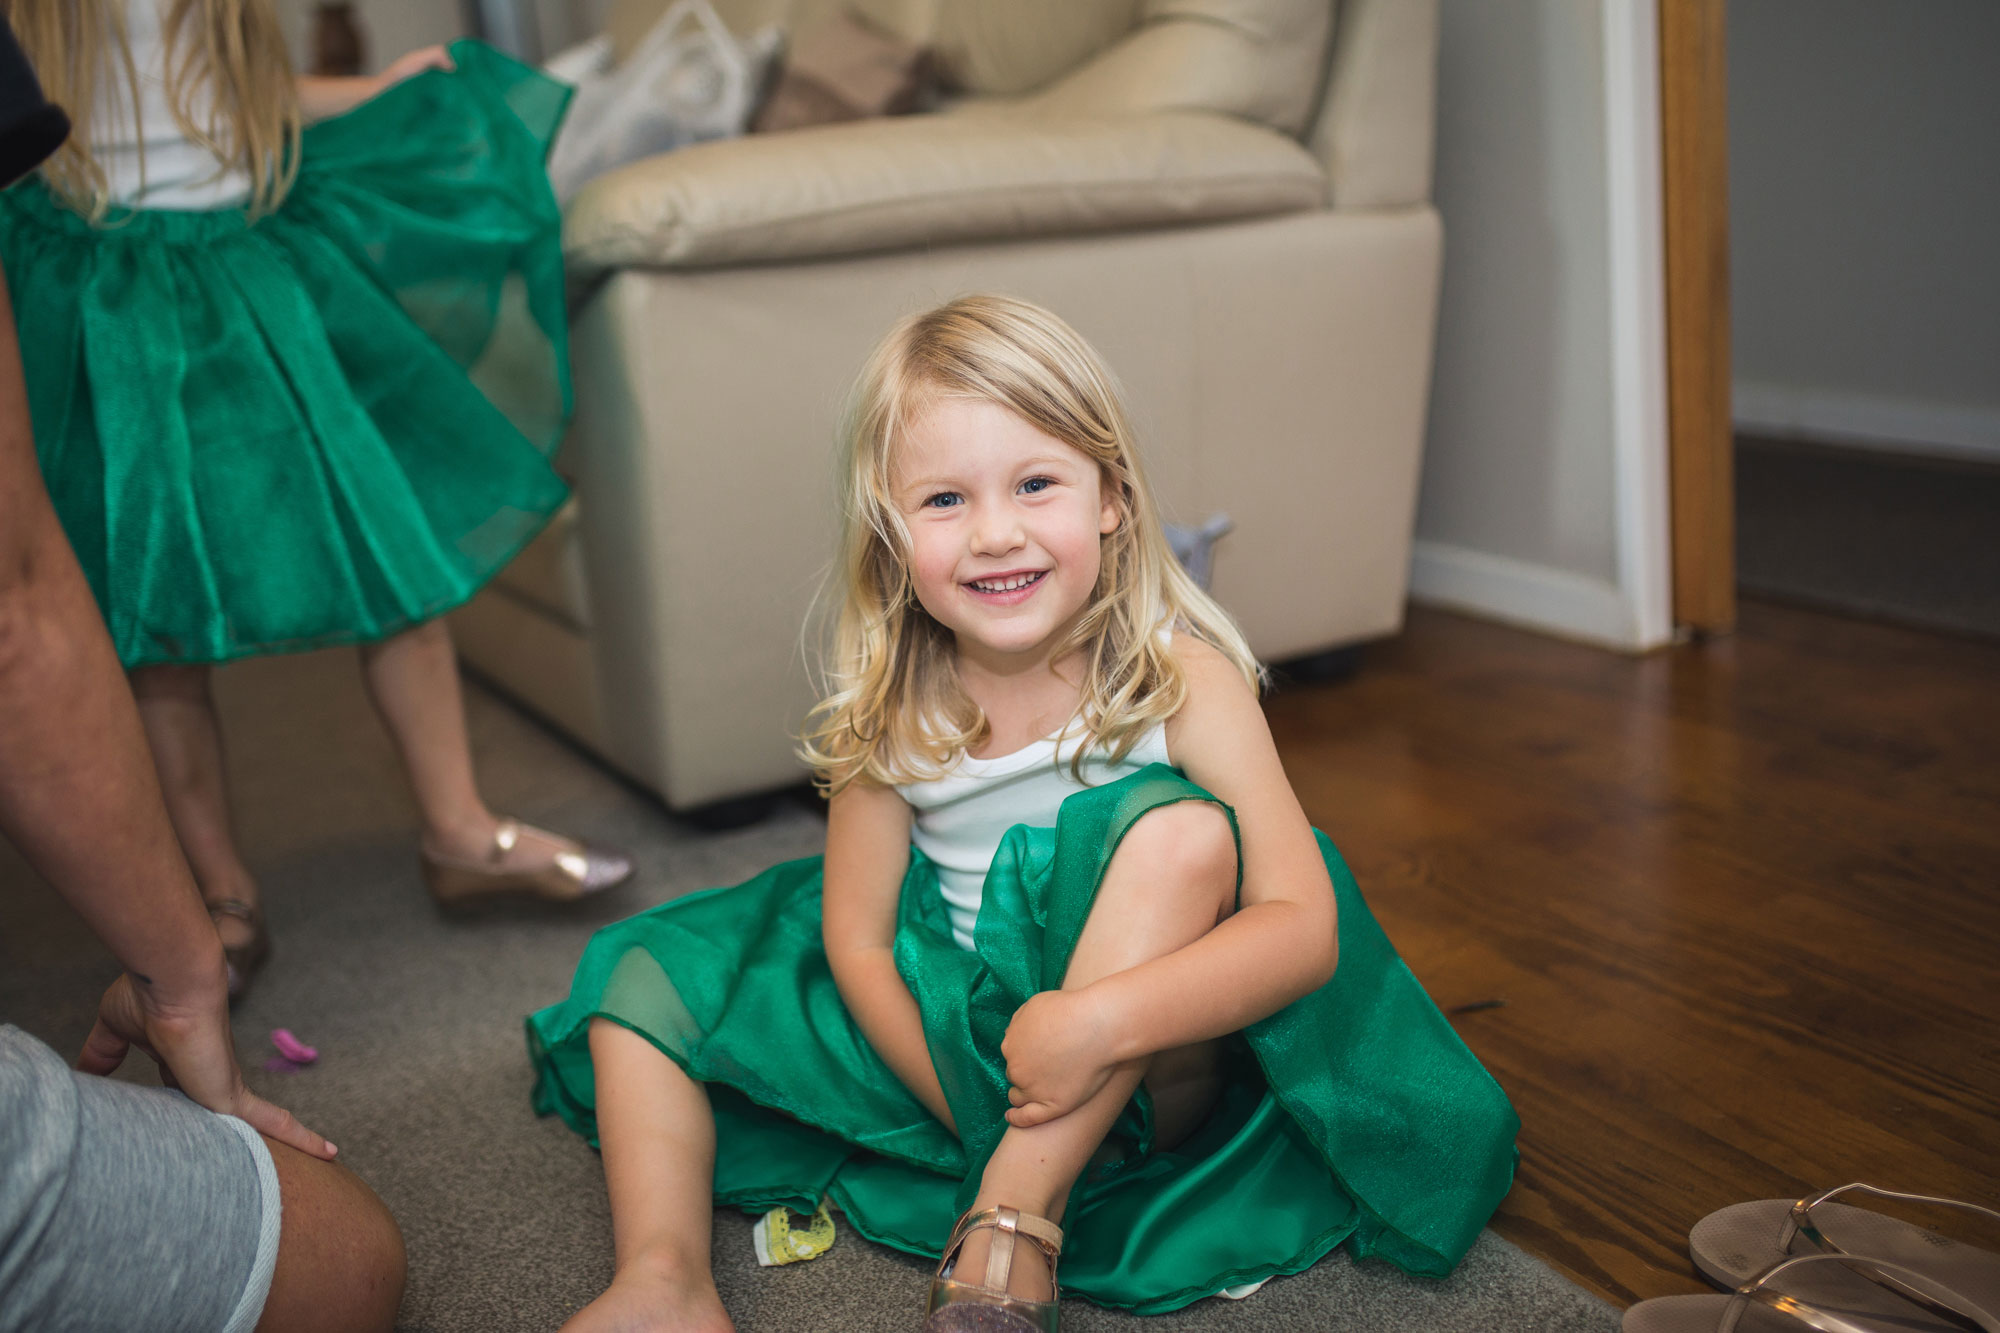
231, 50
892, 708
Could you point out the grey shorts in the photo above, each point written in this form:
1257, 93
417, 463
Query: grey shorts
125, 1207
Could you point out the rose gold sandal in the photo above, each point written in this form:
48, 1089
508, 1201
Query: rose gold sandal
577, 872
243, 959
962, 1307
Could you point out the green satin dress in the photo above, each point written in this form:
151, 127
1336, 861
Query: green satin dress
324, 425
1354, 1116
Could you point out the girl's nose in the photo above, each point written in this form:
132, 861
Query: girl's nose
996, 531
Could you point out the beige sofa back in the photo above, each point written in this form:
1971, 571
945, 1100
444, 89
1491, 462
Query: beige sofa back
1260, 59
1364, 103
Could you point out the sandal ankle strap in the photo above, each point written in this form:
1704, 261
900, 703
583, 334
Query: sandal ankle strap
1007, 1223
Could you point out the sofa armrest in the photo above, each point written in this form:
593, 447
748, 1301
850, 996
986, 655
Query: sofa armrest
933, 179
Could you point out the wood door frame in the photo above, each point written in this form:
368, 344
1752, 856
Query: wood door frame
1694, 128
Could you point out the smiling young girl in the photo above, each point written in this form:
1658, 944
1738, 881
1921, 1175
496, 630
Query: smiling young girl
1074, 960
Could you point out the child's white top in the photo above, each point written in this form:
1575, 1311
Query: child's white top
961, 817
178, 172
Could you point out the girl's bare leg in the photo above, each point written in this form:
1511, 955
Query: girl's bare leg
1172, 880
178, 713
658, 1136
413, 679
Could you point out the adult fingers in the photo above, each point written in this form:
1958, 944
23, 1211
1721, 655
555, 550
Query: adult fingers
278, 1123
103, 1050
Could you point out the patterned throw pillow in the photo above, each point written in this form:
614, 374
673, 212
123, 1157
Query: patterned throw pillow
844, 69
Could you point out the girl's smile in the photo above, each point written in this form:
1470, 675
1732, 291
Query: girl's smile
1008, 589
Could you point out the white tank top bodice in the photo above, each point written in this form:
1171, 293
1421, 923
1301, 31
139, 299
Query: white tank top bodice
961, 817
150, 161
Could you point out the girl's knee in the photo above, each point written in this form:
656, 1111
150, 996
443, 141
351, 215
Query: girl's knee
607, 1038
1191, 841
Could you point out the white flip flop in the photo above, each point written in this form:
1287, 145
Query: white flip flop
1731, 1245
1760, 1306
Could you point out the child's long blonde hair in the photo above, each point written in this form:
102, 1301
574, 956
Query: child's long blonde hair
892, 709
231, 50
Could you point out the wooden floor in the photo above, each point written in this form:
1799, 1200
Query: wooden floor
1741, 900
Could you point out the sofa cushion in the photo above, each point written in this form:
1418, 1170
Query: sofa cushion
993, 47
934, 179
1263, 59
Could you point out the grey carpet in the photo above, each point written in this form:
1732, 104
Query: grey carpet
1886, 536
422, 1078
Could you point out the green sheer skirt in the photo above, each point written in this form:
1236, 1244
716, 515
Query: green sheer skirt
320, 426
1355, 1115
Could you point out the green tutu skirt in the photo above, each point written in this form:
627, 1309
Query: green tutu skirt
1355, 1115
324, 425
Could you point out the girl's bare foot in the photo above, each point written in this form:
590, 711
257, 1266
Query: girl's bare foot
644, 1301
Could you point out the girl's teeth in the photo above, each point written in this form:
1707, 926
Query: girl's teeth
1008, 585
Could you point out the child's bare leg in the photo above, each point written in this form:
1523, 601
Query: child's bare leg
412, 678
1172, 880
658, 1137
178, 713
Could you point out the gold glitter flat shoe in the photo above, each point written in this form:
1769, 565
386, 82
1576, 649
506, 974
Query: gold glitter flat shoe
958, 1306
577, 872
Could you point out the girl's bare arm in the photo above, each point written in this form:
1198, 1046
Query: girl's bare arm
322, 97
867, 855
1283, 942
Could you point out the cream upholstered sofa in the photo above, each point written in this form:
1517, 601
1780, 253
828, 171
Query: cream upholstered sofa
1229, 198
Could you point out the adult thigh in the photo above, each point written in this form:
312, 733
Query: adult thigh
340, 1254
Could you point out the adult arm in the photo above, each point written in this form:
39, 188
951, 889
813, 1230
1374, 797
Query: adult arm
80, 798
1281, 944
867, 855
322, 97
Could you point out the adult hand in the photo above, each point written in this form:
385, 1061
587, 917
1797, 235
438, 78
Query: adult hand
413, 63
1057, 1056
191, 1044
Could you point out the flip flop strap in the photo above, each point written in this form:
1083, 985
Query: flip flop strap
1826, 1321
1799, 1222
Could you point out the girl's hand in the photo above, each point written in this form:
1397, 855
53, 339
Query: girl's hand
1058, 1056
411, 64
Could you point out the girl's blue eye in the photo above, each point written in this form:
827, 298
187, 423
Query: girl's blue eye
944, 500
1035, 485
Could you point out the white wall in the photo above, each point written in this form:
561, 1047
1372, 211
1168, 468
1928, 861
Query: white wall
1529, 509
1864, 140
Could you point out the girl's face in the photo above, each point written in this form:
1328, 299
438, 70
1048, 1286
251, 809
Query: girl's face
1004, 525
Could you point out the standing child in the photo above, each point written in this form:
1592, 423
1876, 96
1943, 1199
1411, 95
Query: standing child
1099, 994
294, 387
